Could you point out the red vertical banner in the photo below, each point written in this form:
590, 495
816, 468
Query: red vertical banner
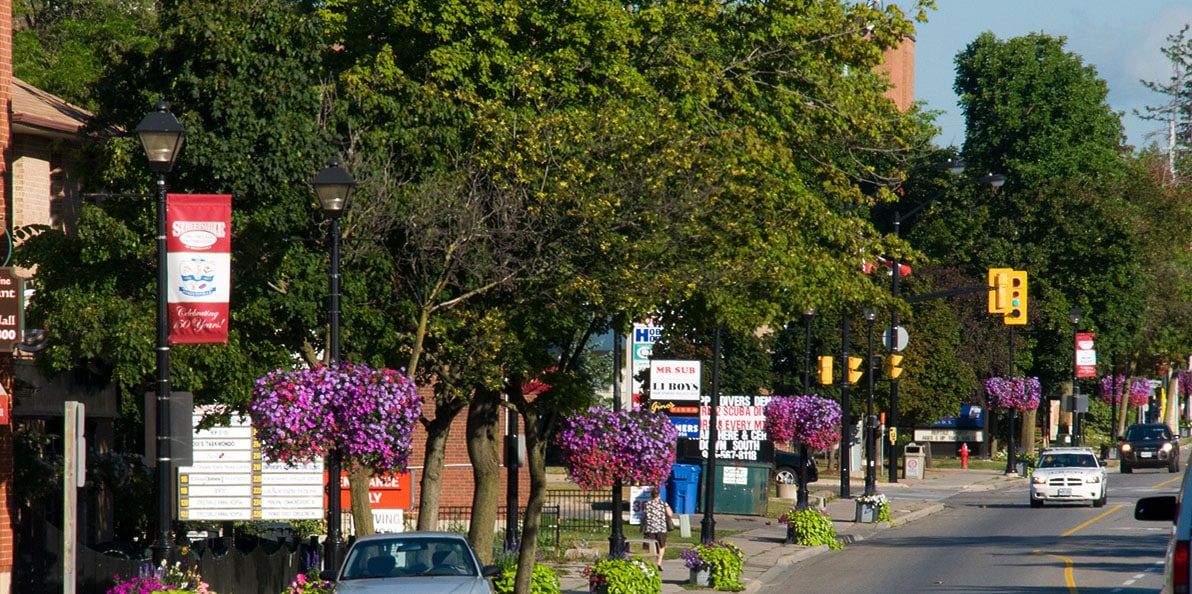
1086, 355
199, 266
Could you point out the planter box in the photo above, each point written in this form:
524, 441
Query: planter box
866, 513
701, 577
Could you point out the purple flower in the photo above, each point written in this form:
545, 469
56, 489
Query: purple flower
1137, 390
806, 419
601, 446
368, 414
1021, 393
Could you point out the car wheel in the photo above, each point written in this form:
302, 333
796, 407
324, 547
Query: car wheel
1174, 466
1100, 502
786, 475
1036, 502
1126, 468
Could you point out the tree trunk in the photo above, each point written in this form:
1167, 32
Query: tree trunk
1026, 435
536, 439
431, 484
484, 441
362, 519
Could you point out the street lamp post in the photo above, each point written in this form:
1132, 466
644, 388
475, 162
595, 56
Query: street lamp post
995, 180
1075, 315
162, 136
870, 419
333, 185
808, 316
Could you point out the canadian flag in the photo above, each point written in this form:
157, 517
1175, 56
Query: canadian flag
870, 267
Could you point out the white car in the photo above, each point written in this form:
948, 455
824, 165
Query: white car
1068, 475
413, 563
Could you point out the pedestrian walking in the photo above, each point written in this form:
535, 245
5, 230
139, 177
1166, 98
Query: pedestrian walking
656, 520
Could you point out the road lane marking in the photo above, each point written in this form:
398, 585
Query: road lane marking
1086, 524
1166, 482
1069, 578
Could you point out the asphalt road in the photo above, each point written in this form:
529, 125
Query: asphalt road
993, 541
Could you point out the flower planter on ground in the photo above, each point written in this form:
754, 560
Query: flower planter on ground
701, 577
866, 513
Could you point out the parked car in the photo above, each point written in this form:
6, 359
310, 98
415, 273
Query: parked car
1068, 475
786, 468
1167, 508
1150, 445
413, 563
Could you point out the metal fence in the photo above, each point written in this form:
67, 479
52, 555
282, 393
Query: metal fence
458, 518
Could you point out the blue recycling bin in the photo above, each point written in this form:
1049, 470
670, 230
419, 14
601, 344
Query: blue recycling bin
682, 488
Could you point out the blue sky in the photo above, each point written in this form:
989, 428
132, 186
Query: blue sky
1120, 38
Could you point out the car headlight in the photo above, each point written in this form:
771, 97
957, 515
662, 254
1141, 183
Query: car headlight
1167, 447
1126, 447
1096, 478
1038, 480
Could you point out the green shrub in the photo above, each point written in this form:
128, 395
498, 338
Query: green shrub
543, 581
624, 576
813, 527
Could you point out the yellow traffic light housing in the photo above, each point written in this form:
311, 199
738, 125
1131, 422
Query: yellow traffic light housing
1015, 314
854, 369
825, 370
999, 290
895, 365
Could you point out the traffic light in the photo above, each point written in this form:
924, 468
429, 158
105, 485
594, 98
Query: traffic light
1015, 314
999, 290
825, 374
895, 365
854, 369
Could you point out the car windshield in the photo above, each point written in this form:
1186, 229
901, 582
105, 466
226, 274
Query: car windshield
398, 557
1140, 433
1067, 460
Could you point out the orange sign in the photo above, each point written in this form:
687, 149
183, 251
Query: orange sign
384, 492
5, 409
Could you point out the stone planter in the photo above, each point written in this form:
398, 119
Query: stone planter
787, 491
701, 577
866, 513
792, 537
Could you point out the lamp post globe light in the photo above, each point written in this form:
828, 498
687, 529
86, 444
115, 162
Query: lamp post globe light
161, 135
333, 185
1075, 315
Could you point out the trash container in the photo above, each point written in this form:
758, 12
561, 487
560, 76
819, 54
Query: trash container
682, 488
741, 488
914, 461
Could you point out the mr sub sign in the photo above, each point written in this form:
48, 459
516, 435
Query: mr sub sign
12, 309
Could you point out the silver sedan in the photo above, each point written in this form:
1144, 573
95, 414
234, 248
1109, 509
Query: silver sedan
413, 563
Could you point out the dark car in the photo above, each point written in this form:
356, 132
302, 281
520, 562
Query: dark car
1150, 445
786, 467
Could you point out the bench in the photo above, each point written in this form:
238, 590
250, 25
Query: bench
646, 543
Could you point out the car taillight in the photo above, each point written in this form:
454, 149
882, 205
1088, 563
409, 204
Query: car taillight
1180, 568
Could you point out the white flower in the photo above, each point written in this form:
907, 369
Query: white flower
877, 499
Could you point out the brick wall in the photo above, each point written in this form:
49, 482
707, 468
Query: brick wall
898, 64
457, 471
7, 505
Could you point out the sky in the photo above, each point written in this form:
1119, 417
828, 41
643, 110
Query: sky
1121, 39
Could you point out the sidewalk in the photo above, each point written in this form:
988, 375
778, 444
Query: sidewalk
762, 539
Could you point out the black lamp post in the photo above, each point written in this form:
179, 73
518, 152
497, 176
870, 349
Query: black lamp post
162, 136
954, 167
808, 316
707, 528
616, 538
333, 185
1075, 315
870, 419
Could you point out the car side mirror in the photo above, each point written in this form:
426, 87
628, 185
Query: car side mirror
490, 571
1157, 509
327, 575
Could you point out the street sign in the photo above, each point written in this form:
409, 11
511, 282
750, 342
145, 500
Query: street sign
895, 338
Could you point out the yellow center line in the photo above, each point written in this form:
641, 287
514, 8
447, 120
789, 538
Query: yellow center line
1086, 524
1068, 577
1166, 482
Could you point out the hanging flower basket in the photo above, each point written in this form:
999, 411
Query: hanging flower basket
805, 419
368, 415
601, 446
1019, 393
1136, 390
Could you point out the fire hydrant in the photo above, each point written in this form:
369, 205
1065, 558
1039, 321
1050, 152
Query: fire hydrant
964, 452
